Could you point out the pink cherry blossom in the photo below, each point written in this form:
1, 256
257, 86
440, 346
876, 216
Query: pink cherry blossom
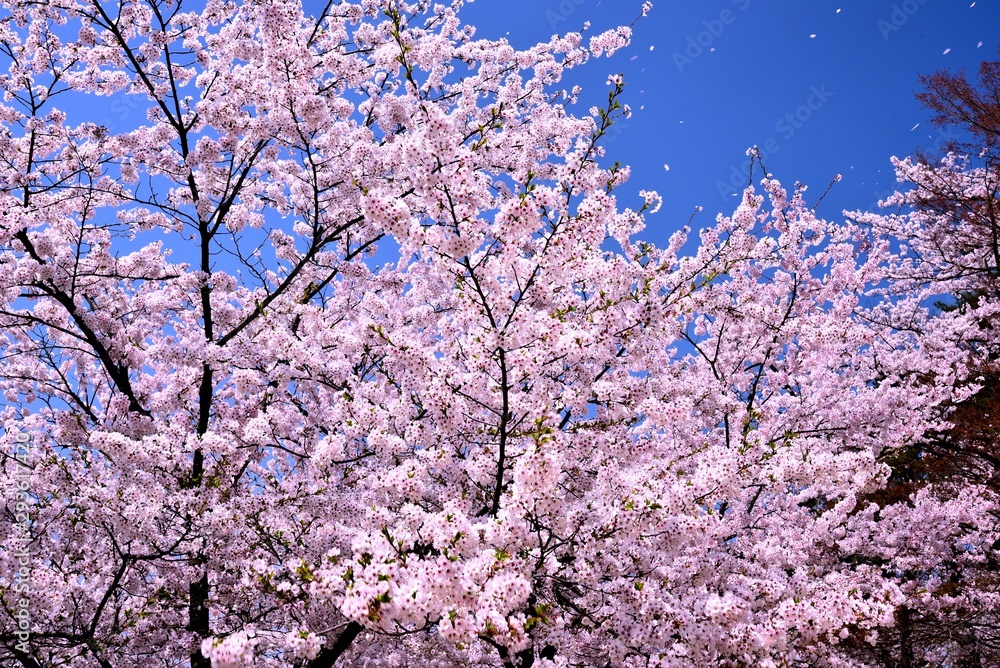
253, 445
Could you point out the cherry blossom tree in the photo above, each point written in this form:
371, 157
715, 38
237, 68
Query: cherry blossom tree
969, 106
945, 223
946, 235
530, 439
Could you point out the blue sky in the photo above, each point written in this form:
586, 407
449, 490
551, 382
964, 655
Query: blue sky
724, 75
821, 86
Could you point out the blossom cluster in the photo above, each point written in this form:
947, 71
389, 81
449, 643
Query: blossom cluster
528, 437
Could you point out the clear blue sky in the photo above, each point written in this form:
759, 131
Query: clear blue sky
822, 86
724, 74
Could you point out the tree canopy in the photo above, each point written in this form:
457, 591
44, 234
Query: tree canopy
532, 438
